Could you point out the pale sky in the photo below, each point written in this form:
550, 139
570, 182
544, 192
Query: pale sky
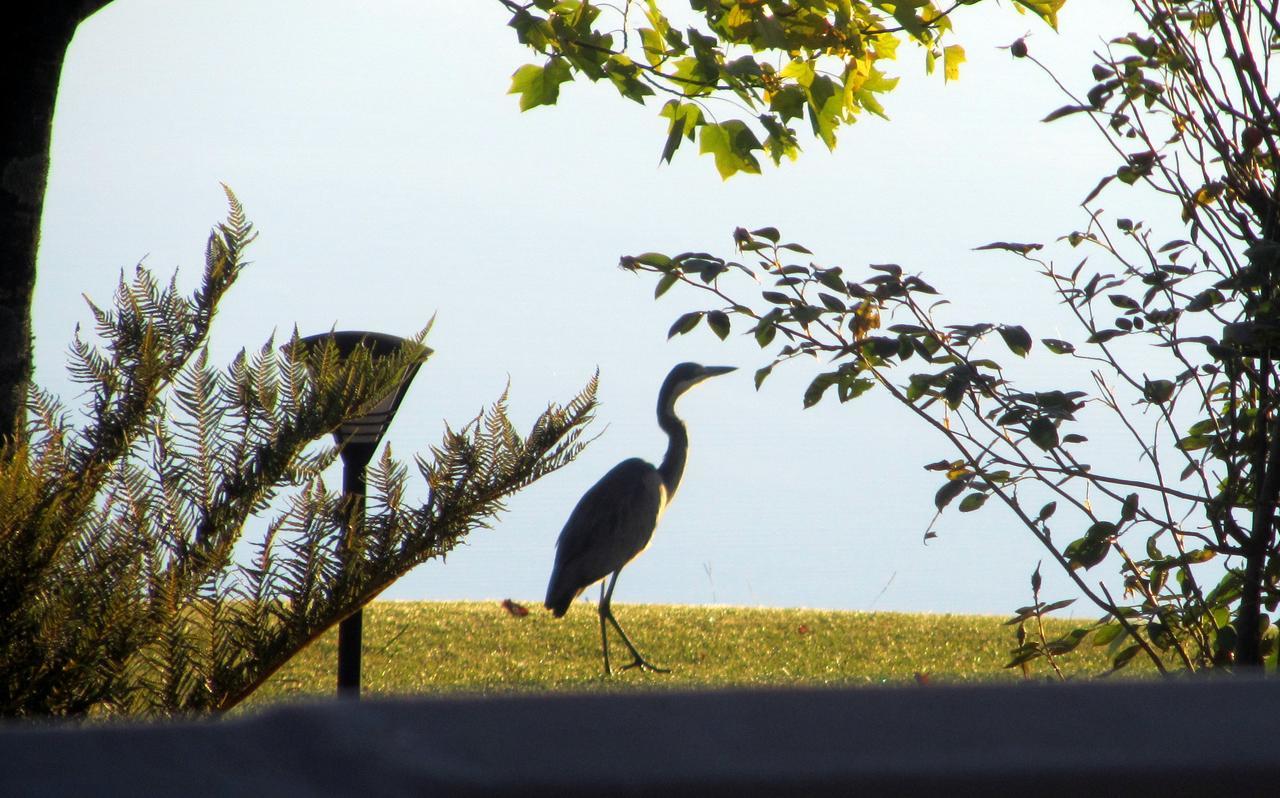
391, 178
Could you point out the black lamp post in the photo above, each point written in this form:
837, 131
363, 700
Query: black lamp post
358, 439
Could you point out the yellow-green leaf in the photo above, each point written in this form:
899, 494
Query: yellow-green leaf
972, 502
799, 70
952, 58
731, 144
539, 85
1045, 9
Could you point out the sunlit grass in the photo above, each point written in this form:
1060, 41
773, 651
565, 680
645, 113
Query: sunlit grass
474, 647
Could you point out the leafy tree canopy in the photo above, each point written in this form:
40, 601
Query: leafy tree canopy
777, 63
1178, 330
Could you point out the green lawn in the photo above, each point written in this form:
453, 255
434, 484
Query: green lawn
479, 647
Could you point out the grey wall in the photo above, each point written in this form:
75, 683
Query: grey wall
1193, 738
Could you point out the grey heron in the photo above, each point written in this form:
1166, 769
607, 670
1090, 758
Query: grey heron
615, 519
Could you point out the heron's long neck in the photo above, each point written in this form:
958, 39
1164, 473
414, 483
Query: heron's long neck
672, 467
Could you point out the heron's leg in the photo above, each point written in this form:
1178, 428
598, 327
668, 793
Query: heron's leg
606, 612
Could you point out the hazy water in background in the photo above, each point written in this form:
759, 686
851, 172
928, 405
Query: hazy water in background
391, 178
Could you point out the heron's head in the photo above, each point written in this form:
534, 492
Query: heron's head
684, 376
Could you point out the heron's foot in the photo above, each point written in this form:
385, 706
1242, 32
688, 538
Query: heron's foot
645, 665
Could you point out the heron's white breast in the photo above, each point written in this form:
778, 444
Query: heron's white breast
663, 500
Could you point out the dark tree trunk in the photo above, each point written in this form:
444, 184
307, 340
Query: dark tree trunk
33, 43
1262, 536
1265, 465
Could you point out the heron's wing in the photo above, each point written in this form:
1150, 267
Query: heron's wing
612, 523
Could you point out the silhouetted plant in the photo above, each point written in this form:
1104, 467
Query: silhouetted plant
1180, 334
121, 586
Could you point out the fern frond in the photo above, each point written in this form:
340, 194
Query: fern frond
266, 377
197, 397
119, 590
237, 226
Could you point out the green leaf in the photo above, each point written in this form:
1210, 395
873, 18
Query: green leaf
1066, 110
813, 394
1102, 336
1158, 391
831, 302
1196, 556
1129, 510
1023, 654
1057, 605
788, 102
1123, 302
626, 77
799, 70
1067, 642
1091, 549
949, 491
718, 321
1156, 578
1192, 443
852, 389
665, 283
540, 85
806, 314
954, 390
880, 346
1105, 634
919, 386
1092, 195
906, 347
1047, 511
1153, 549
972, 502
1021, 249
653, 45
1085, 553
1043, 433
656, 259
762, 374
685, 323
1101, 530
826, 104
1204, 300
1016, 338
731, 143
766, 328
1121, 659
685, 118
1057, 346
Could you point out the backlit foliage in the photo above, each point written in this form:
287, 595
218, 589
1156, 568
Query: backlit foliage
125, 583
1178, 333
777, 63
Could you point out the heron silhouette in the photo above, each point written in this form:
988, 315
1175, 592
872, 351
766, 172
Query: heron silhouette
615, 519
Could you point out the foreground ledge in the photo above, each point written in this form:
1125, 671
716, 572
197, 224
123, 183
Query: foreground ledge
1169, 738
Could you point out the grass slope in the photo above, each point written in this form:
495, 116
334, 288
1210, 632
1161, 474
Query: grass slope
475, 647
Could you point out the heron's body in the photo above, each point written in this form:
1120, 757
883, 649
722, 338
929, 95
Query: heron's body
627, 501
615, 520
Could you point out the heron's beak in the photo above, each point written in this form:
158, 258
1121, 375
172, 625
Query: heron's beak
716, 371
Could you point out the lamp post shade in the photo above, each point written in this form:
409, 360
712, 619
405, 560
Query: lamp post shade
359, 436
358, 439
